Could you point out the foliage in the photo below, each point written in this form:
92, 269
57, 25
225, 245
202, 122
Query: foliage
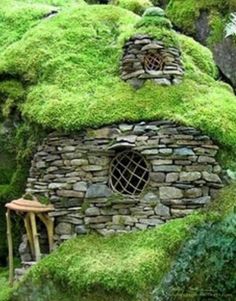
231, 26
5, 290
136, 6
205, 267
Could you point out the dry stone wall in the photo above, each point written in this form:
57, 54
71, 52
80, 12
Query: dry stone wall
73, 172
146, 58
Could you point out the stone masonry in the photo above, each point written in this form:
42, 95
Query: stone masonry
73, 171
146, 58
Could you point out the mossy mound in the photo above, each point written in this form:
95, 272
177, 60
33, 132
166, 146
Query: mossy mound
69, 67
123, 267
136, 6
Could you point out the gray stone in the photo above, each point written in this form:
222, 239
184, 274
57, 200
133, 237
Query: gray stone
172, 177
193, 193
92, 211
80, 186
189, 176
162, 210
79, 162
150, 197
98, 191
125, 127
167, 168
58, 186
162, 81
210, 177
184, 151
157, 177
96, 220
136, 82
151, 221
206, 159
166, 151
70, 193
81, 230
170, 193
130, 138
63, 229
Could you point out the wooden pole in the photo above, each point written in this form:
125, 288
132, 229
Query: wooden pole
10, 247
29, 233
48, 222
35, 236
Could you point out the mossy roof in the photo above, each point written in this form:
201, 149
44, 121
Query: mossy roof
63, 72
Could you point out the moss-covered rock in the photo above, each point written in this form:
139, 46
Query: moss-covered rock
136, 6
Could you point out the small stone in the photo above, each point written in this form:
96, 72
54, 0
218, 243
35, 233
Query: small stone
158, 177
193, 193
79, 162
162, 210
167, 168
172, 177
80, 186
166, 151
130, 139
190, 176
170, 193
58, 186
184, 151
93, 211
63, 229
96, 220
162, 81
70, 193
125, 127
210, 177
98, 191
81, 230
205, 159
40, 164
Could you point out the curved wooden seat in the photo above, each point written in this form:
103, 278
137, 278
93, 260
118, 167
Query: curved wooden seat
23, 205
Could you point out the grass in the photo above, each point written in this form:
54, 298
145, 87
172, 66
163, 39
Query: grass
5, 290
128, 265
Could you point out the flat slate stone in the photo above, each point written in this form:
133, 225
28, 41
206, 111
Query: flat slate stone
98, 191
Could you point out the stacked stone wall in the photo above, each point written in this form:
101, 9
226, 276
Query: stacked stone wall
73, 171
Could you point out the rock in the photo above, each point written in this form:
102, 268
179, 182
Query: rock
80, 186
96, 220
63, 229
184, 151
158, 177
70, 193
162, 210
151, 198
205, 159
124, 220
193, 193
170, 193
98, 191
81, 230
137, 83
189, 176
210, 177
79, 162
58, 186
172, 177
130, 138
92, 211
167, 168
151, 221
125, 127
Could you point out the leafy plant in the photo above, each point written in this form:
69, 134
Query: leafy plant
204, 268
231, 26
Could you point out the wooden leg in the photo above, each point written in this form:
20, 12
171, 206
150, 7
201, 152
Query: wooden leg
35, 236
29, 233
10, 247
49, 226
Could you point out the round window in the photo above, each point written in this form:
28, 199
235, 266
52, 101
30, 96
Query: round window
153, 62
129, 173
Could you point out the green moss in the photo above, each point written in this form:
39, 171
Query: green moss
136, 6
5, 290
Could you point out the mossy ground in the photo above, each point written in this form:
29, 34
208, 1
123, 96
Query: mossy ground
128, 265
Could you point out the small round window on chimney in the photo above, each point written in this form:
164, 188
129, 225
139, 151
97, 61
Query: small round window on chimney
153, 62
129, 173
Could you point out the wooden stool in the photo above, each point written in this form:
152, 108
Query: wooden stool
29, 210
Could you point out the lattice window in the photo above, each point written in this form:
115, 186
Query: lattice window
129, 173
153, 62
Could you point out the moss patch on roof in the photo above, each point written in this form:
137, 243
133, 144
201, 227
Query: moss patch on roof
69, 68
124, 267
